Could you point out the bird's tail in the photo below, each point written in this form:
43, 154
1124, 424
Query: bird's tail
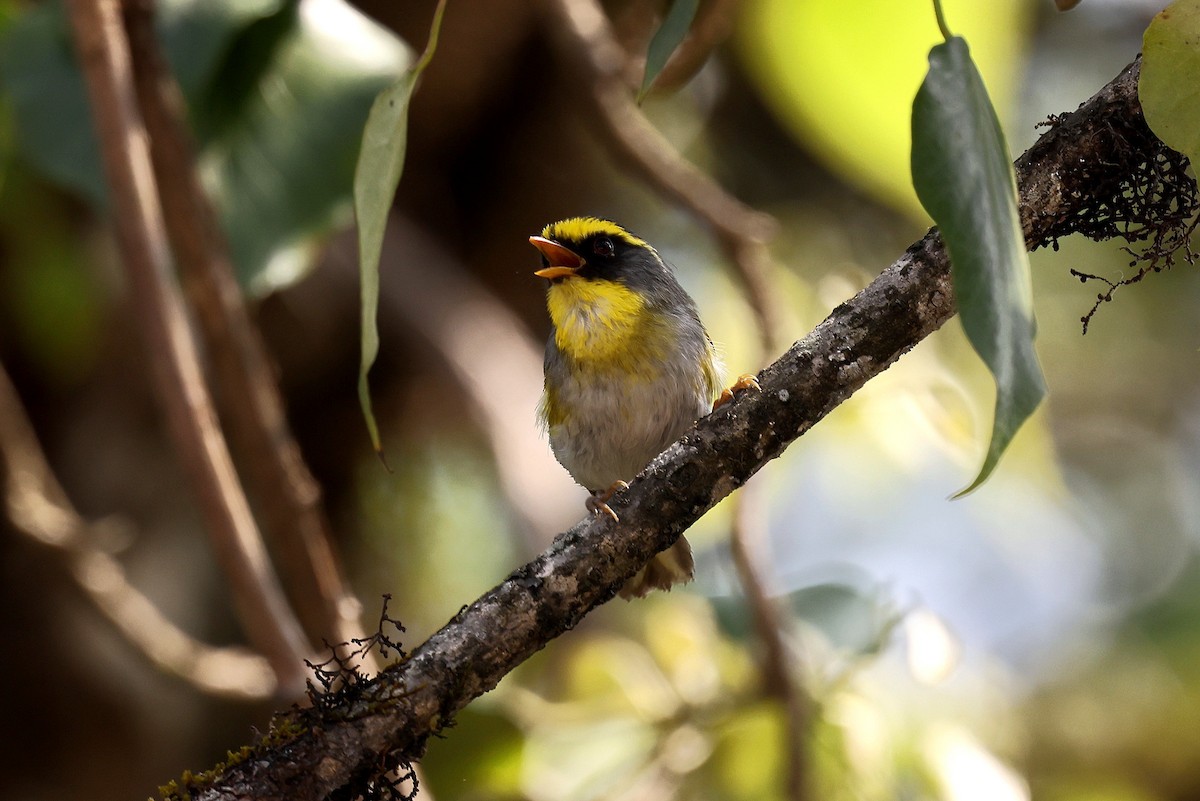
672, 566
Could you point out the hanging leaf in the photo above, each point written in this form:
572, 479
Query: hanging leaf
964, 178
1169, 87
380, 164
668, 37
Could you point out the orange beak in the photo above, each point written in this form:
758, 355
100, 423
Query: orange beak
563, 263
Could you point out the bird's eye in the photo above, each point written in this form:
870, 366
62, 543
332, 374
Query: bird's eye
604, 247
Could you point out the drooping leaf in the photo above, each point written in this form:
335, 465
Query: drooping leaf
277, 93
380, 164
1169, 87
964, 177
668, 37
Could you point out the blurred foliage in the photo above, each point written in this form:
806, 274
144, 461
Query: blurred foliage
1170, 73
1038, 639
277, 91
841, 76
54, 304
675, 26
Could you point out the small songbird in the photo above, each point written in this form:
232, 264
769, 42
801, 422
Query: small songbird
629, 367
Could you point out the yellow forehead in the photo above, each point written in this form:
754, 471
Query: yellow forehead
578, 229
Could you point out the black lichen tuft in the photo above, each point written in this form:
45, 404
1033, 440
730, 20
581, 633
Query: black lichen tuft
1142, 195
336, 692
337, 682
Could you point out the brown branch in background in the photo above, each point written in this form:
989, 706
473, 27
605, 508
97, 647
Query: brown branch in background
393, 716
782, 676
587, 42
38, 507
105, 61
288, 496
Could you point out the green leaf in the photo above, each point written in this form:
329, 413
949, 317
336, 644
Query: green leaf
666, 39
277, 93
198, 38
49, 106
380, 164
38, 73
964, 177
1169, 87
280, 164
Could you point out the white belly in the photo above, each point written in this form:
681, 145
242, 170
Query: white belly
612, 434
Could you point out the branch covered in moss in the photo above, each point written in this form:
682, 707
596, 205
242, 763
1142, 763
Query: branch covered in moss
338, 749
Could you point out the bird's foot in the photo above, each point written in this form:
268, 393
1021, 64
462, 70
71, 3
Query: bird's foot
743, 383
597, 502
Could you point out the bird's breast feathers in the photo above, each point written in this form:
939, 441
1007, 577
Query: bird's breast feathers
615, 425
606, 421
595, 320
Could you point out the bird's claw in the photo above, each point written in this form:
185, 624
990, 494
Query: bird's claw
597, 502
743, 383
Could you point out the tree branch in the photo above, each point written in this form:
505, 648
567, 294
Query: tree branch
289, 497
38, 507
315, 753
105, 62
713, 24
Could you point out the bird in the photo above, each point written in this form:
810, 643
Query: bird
628, 368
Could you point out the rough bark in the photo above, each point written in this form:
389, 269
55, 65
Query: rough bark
331, 751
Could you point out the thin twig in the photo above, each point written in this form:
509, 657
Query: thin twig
587, 41
104, 59
38, 507
289, 498
748, 540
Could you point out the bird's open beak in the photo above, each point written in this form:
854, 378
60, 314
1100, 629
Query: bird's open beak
563, 263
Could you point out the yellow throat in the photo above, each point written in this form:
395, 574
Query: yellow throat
595, 319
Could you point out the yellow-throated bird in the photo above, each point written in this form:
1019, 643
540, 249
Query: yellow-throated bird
629, 367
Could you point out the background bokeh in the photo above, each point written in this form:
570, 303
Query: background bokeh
1038, 638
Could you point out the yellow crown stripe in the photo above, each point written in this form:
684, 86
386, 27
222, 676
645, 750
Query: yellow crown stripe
577, 229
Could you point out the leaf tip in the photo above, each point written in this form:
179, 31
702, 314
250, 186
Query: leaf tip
970, 488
